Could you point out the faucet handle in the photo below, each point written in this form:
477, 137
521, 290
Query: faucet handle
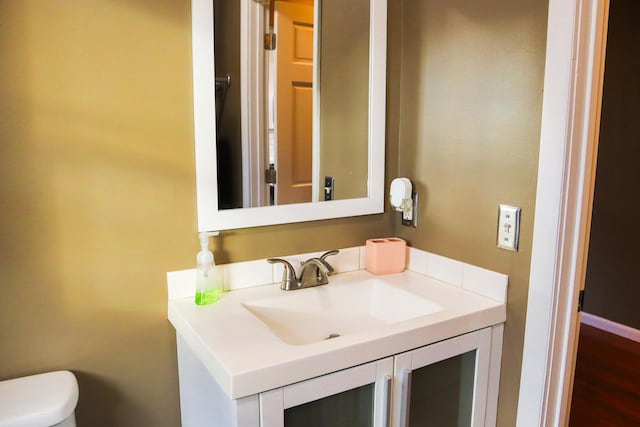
288, 274
328, 254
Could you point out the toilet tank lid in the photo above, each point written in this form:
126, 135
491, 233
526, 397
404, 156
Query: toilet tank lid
39, 400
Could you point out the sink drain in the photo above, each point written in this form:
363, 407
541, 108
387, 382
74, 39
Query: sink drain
332, 336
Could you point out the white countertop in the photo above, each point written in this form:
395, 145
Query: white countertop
245, 357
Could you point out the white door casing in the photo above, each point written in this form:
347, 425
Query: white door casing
252, 99
566, 171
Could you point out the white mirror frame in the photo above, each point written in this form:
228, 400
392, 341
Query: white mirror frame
209, 217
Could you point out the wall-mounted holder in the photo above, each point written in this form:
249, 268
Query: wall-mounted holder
405, 200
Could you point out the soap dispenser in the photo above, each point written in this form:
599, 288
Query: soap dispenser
208, 283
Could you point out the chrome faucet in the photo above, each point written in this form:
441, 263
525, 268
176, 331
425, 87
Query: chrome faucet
313, 272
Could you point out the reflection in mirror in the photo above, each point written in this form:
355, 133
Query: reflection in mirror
295, 117
345, 97
227, 102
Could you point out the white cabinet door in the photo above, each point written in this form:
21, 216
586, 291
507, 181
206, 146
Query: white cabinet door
443, 384
355, 397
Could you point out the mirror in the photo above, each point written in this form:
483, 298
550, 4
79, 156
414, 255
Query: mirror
312, 110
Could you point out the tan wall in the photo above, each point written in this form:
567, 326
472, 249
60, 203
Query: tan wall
471, 96
97, 179
344, 97
98, 193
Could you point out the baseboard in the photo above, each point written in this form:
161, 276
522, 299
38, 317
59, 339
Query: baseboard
610, 326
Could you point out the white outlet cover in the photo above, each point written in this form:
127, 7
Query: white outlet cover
508, 227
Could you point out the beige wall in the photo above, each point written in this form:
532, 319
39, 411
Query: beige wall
470, 108
344, 96
97, 179
98, 193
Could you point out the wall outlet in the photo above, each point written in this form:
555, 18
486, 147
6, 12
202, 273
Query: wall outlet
410, 218
508, 227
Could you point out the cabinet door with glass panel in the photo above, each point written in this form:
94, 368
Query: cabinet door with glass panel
443, 384
355, 397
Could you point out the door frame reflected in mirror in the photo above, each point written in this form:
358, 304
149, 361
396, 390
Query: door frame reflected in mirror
209, 216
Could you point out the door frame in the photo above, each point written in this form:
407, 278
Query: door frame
576, 39
252, 99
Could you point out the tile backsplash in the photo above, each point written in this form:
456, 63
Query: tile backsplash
256, 273
246, 274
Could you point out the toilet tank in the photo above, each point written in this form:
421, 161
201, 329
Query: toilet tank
43, 400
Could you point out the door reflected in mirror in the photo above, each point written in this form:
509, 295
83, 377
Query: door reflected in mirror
292, 123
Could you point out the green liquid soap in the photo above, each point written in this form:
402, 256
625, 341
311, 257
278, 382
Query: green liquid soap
207, 297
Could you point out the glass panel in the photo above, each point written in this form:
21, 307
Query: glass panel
351, 408
442, 393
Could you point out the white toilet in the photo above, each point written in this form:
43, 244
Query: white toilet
44, 400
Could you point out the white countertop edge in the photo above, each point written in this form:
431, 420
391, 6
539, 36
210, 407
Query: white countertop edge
191, 337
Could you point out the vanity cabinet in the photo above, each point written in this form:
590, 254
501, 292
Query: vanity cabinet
448, 383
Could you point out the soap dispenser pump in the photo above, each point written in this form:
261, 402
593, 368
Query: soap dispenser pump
208, 283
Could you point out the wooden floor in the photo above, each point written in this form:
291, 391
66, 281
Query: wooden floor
606, 390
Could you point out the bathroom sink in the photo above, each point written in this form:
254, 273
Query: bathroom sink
311, 315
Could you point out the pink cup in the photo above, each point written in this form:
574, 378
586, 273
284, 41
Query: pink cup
386, 256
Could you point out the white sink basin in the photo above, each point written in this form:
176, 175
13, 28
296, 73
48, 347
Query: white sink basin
310, 315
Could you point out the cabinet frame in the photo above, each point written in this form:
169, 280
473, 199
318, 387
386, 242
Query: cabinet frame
273, 403
480, 341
